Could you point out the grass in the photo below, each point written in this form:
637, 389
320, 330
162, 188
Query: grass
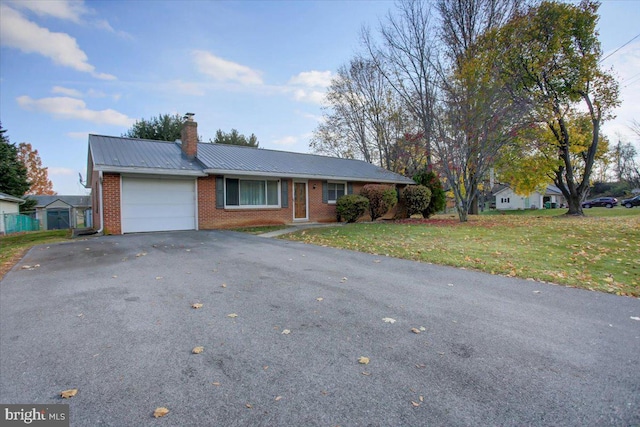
14, 246
261, 229
598, 252
589, 213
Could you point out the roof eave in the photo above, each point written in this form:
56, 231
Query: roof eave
149, 171
304, 176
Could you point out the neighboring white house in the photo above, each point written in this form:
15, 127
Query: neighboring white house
506, 199
8, 205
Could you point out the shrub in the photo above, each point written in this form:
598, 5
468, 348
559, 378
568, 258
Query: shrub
438, 197
381, 199
416, 199
351, 207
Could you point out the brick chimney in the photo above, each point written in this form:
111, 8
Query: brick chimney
189, 136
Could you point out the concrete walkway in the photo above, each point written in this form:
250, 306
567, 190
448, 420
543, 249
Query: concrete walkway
298, 227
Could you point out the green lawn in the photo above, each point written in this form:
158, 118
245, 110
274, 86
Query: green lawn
13, 247
597, 252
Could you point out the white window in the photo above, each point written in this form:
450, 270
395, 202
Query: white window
252, 193
335, 190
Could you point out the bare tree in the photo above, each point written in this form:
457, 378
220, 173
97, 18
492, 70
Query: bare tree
363, 118
405, 57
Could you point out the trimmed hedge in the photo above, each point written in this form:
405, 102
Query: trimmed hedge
351, 207
381, 199
415, 199
438, 197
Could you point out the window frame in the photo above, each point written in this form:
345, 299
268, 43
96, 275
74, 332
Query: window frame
265, 180
346, 190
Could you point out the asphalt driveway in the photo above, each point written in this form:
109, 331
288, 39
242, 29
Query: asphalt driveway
112, 317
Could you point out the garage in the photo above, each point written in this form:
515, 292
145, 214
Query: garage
158, 204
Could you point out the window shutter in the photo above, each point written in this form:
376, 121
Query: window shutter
325, 192
349, 188
219, 192
284, 193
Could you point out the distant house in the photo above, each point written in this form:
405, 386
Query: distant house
60, 212
9, 205
507, 199
141, 185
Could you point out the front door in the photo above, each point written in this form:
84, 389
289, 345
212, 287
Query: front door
300, 200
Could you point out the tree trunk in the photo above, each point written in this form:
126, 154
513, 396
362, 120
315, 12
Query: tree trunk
575, 205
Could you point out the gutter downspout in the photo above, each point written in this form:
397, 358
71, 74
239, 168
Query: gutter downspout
101, 203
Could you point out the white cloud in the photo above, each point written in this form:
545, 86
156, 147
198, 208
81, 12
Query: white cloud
312, 79
286, 141
223, 70
66, 91
18, 32
72, 108
78, 135
61, 9
60, 171
312, 96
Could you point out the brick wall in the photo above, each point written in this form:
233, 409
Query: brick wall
111, 199
210, 218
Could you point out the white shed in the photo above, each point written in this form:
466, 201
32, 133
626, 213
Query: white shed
8, 205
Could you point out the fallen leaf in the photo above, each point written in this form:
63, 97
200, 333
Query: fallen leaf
415, 404
265, 367
114, 276
376, 261
217, 384
223, 285
286, 332
363, 360
389, 320
450, 284
415, 330
138, 255
232, 315
278, 398
197, 350
634, 318
188, 250
536, 292
160, 412
422, 328
158, 277
421, 365
248, 405
26, 267
68, 393
421, 399
344, 279
366, 373
319, 299
196, 305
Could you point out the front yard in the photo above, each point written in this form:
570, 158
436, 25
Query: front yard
599, 252
14, 246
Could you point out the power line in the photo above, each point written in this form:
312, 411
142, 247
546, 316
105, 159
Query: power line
637, 35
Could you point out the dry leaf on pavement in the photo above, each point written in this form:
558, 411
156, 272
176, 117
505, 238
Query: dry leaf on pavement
232, 315
363, 360
68, 393
415, 330
389, 320
160, 412
197, 350
286, 332
196, 305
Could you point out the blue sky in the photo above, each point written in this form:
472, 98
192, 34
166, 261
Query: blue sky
70, 68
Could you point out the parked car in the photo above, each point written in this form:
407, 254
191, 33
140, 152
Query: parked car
607, 202
629, 203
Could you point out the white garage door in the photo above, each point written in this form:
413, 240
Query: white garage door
158, 204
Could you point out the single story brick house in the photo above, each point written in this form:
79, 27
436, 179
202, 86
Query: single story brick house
142, 185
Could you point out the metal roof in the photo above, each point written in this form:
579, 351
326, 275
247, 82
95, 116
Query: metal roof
75, 201
230, 159
118, 154
9, 198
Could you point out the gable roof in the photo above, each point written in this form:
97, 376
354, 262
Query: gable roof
9, 198
119, 154
75, 201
